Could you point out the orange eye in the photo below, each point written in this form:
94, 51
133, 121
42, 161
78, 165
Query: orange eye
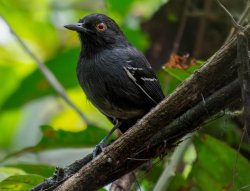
101, 27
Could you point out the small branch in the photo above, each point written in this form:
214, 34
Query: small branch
47, 74
241, 20
235, 24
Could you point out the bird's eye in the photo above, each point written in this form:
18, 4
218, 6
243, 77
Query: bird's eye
101, 27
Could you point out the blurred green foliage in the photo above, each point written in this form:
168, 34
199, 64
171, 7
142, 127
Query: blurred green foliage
214, 168
28, 102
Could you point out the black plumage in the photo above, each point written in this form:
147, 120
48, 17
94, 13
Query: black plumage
114, 75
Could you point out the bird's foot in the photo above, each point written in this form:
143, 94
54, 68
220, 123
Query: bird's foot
99, 148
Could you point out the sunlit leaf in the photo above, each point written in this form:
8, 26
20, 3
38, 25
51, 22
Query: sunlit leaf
69, 120
8, 125
39, 169
6, 172
35, 85
63, 139
38, 31
9, 77
20, 182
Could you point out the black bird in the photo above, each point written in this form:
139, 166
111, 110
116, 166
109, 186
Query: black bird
114, 75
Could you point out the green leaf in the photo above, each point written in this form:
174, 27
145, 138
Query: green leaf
5, 172
8, 123
168, 83
39, 169
20, 182
35, 85
214, 167
182, 74
61, 139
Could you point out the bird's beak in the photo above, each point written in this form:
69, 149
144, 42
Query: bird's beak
76, 27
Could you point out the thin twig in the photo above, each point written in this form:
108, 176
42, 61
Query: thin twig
47, 74
240, 21
235, 24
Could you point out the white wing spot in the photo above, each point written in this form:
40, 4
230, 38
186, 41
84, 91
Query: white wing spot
148, 79
132, 68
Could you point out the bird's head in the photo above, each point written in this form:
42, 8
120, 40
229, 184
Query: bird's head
97, 31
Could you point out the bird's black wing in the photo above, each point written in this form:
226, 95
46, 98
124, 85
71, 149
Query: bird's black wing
142, 75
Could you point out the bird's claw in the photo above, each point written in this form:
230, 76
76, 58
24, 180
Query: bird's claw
99, 148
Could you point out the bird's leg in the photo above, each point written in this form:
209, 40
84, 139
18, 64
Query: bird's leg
100, 146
